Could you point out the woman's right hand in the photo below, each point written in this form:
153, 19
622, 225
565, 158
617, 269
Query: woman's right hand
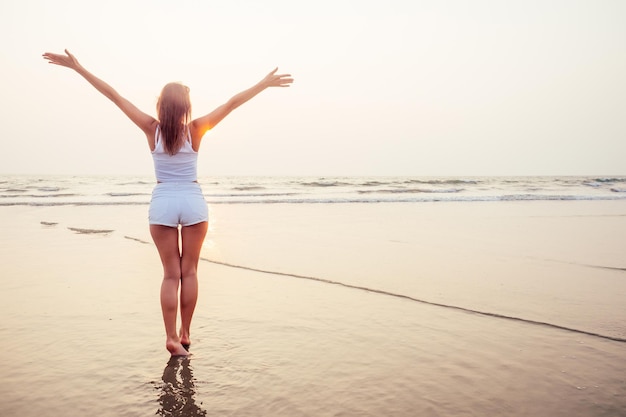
68, 60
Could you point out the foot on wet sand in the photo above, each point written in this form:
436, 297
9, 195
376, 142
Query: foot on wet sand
184, 339
175, 348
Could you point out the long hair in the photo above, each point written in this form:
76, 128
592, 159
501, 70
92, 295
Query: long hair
174, 112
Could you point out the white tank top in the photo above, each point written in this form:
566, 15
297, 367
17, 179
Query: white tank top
180, 167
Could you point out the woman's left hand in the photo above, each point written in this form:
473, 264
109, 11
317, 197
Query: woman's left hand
277, 80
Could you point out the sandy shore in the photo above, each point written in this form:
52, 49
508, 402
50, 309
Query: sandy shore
83, 335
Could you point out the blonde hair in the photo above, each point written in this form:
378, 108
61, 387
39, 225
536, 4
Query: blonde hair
174, 113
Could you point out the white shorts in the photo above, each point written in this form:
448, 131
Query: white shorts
178, 203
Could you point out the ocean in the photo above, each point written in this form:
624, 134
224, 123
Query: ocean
125, 190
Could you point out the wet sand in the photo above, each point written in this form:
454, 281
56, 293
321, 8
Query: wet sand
82, 328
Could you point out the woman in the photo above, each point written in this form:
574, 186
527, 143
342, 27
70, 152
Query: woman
177, 199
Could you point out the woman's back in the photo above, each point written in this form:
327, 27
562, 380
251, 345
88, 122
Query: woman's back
179, 167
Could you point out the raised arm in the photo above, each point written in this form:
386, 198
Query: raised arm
202, 124
144, 121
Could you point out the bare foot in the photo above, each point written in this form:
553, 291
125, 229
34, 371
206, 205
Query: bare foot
184, 339
175, 348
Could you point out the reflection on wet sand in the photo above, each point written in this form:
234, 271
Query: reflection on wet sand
177, 396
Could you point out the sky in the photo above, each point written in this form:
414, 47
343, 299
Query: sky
395, 87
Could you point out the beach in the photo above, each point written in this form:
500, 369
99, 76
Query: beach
394, 308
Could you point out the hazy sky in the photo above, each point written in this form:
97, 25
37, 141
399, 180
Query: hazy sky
395, 87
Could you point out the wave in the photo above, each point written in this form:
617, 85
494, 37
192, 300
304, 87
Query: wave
432, 197
418, 300
368, 198
410, 190
610, 179
322, 183
372, 184
442, 181
230, 195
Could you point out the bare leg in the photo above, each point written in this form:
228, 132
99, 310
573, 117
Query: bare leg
192, 239
166, 241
